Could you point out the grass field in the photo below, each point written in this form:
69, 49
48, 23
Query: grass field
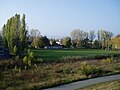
113, 85
58, 54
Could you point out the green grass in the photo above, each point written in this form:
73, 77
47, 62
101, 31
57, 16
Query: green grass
58, 54
113, 85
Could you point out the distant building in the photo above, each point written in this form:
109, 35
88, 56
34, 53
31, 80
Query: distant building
53, 47
59, 42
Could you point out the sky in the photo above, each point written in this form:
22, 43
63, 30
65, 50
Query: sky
57, 18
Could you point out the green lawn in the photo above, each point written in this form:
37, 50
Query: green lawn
57, 54
113, 85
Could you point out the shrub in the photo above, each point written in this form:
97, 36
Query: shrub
98, 71
30, 58
15, 50
29, 62
31, 55
15, 68
35, 65
19, 69
17, 58
89, 69
59, 71
29, 51
107, 61
68, 70
25, 60
86, 69
117, 67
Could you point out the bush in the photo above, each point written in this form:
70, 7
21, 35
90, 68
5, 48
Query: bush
29, 51
68, 70
31, 55
29, 62
17, 58
89, 69
107, 61
86, 69
25, 60
15, 50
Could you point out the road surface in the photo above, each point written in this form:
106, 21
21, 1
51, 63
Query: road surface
84, 83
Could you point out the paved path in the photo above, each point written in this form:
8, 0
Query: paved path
84, 83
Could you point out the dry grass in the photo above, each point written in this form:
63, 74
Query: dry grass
47, 74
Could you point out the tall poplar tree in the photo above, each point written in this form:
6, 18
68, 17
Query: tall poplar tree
14, 34
4, 36
23, 35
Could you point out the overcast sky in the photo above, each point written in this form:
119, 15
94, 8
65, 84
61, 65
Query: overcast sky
57, 18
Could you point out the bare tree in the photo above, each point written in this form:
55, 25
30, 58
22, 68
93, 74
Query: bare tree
77, 36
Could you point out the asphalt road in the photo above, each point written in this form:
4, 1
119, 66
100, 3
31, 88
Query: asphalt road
84, 83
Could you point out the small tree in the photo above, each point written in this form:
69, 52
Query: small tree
31, 55
96, 44
25, 60
91, 37
30, 58
67, 42
29, 51
17, 58
14, 34
29, 62
15, 50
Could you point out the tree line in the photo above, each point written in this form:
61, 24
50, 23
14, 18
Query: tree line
78, 39
16, 37
87, 39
